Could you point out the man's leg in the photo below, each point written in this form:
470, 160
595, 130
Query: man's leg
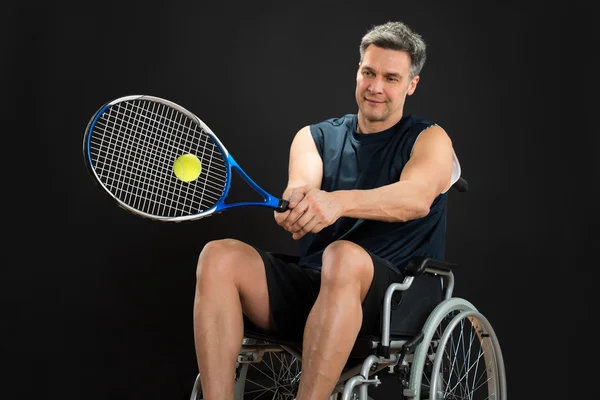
335, 319
230, 279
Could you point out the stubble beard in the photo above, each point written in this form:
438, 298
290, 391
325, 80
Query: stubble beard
371, 116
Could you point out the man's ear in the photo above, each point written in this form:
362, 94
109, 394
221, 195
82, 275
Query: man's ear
412, 86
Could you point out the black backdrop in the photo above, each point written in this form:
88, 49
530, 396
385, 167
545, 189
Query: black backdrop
98, 303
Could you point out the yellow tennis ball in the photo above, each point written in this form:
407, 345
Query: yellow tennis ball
187, 167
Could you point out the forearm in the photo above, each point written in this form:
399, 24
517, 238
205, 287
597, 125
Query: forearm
398, 202
297, 187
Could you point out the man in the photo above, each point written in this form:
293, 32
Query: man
367, 192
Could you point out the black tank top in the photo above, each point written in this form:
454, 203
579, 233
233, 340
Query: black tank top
353, 160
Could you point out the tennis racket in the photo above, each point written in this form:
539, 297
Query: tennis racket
158, 160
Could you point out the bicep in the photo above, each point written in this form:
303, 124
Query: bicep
429, 168
305, 164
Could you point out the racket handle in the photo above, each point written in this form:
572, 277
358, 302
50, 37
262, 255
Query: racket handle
283, 206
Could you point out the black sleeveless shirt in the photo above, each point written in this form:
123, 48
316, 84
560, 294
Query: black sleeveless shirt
353, 160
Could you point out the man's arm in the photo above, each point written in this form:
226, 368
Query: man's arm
305, 171
305, 165
423, 178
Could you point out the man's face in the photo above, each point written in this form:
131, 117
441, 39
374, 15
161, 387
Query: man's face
382, 84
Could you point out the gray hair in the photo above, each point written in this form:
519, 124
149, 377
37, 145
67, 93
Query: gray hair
397, 36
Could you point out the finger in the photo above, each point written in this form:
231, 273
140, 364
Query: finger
315, 229
291, 226
295, 213
318, 228
295, 198
311, 226
299, 225
280, 217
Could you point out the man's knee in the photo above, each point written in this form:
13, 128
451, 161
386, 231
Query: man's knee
346, 262
218, 259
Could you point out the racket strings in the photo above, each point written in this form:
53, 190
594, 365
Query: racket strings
167, 127
121, 158
134, 145
176, 125
123, 167
167, 156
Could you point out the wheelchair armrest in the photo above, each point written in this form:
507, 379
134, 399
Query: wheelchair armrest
416, 266
461, 185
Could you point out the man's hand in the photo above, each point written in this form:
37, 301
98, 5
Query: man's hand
312, 211
293, 196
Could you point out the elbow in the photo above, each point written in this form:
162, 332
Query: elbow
418, 210
422, 205
422, 210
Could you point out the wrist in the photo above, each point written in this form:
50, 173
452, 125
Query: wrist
340, 198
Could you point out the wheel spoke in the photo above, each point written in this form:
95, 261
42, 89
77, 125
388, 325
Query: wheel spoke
275, 376
462, 359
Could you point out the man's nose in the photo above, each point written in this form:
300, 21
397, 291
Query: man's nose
376, 85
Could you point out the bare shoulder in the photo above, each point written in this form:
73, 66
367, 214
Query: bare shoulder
304, 132
434, 133
433, 138
303, 140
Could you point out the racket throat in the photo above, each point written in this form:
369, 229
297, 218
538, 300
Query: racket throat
240, 193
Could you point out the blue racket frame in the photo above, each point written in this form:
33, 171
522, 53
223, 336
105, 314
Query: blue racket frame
269, 200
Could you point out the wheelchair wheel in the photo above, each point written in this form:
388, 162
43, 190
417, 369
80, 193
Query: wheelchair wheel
275, 375
459, 357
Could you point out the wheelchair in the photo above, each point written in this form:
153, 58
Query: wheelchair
431, 344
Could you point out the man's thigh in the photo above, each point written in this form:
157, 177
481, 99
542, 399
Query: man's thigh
292, 292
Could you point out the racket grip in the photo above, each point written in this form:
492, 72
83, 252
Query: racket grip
283, 206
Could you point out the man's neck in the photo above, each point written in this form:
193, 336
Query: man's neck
366, 127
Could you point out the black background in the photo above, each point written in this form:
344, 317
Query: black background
97, 303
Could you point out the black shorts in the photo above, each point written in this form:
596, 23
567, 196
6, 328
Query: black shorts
293, 290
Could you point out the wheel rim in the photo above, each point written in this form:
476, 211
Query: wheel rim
465, 365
